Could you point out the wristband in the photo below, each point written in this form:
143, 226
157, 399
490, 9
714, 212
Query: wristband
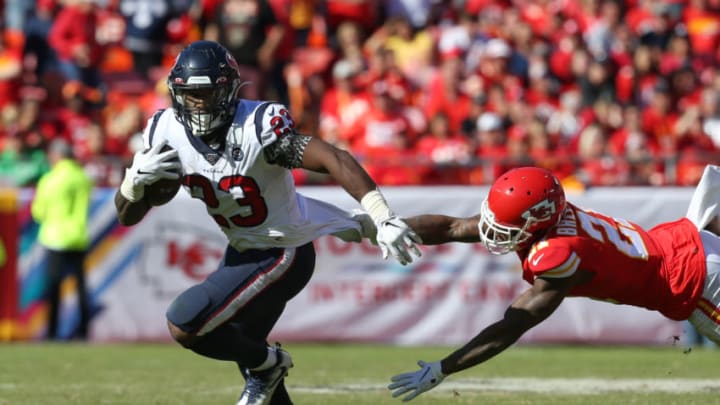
374, 203
129, 190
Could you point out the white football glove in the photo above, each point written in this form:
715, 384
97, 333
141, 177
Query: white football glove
393, 236
396, 238
417, 382
148, 167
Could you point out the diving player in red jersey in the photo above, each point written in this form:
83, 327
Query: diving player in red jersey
567, 251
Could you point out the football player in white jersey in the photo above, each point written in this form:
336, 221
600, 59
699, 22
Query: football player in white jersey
236, 155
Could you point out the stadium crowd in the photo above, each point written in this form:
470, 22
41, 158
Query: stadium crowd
601, 92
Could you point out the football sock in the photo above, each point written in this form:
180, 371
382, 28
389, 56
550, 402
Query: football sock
270, 360
226, 344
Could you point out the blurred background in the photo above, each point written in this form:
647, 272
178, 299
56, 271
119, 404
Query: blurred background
434, 97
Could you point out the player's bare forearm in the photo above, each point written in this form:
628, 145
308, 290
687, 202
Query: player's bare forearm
130, 213
322, 157
488, 343
528, 310
437, 229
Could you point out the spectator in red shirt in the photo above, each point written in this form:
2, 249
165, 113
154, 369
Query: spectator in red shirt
597, 166
545, 150
490, 144
10, 74
443, 93
630, 143
444, 150
386, 126
644, 19
676, 56
72, 36
492, 61
251, 31
644, 168
685, 88
121, 120
382, 66
541, 92
703, 27
658, 120
561, 57
76, 117
344, 106
387, 136
365, 12
518, 150
105, 168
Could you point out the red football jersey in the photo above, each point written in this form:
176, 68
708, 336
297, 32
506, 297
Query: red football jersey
661, 269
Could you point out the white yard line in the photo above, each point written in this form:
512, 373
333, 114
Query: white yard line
586, 386
542, 385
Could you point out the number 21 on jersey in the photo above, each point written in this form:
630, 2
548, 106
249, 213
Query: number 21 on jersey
622, 234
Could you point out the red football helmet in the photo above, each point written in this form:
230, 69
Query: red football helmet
521, 205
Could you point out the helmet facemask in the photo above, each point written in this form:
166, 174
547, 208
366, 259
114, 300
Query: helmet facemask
205, 108
500, 239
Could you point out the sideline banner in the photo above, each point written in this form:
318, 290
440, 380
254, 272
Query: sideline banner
8, 263
446, 297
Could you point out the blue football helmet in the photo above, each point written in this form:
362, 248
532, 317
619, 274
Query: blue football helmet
204, 85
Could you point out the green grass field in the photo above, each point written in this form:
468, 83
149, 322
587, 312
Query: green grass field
145, 374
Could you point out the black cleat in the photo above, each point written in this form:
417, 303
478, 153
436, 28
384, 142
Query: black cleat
260, 385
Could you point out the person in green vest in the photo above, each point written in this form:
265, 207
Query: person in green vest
60, 207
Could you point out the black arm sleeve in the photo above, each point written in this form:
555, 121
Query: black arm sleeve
287, 151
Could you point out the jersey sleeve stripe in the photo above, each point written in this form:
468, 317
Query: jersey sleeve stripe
258, 119
566, 269
155, 120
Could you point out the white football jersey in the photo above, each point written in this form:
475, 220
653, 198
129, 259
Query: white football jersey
253, 201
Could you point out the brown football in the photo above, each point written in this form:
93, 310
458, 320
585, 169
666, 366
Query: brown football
163, 190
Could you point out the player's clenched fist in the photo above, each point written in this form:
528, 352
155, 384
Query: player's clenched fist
394, 236
149, 166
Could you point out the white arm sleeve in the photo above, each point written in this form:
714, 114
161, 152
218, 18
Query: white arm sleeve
705, 201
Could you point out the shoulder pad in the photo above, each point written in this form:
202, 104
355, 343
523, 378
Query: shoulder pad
552, 260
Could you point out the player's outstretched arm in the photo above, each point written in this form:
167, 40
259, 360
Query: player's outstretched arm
436, 229
322, 157
394, 236
529, 309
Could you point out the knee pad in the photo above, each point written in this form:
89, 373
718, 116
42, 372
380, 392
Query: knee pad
187, 311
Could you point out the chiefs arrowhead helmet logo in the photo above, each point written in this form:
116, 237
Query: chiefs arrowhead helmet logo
542, 211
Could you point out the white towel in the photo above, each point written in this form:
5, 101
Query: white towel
705, 201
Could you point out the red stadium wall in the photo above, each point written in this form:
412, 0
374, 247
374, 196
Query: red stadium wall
8, 271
